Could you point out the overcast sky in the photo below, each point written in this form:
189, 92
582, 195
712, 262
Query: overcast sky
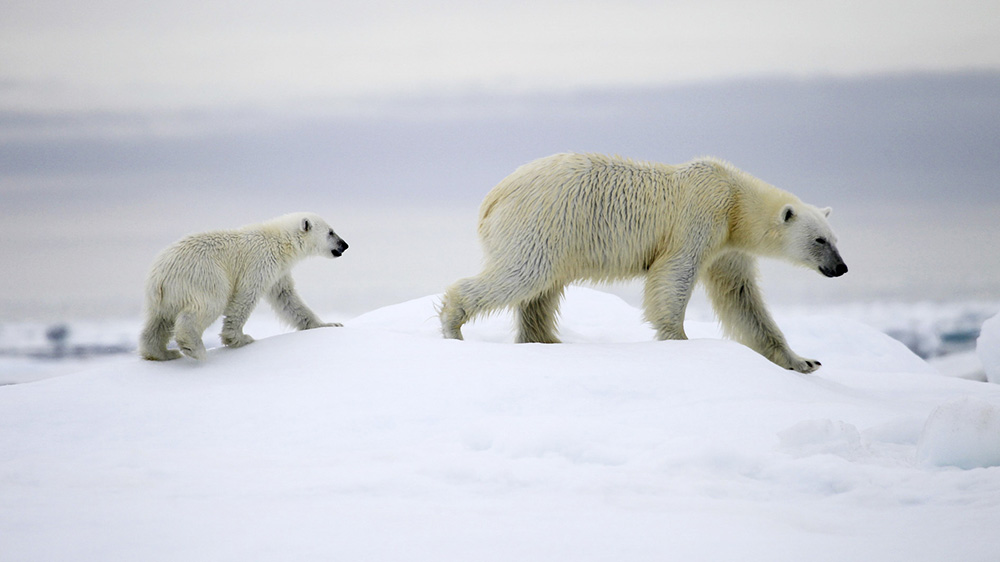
124, 125
122, 54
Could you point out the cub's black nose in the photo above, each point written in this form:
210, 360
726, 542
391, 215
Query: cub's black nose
343, 246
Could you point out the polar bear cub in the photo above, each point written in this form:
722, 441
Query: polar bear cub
572, 217
226, 272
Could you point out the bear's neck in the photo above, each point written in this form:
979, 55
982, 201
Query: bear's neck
753, 225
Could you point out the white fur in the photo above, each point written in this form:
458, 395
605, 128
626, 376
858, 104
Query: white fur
571, 217
226, 272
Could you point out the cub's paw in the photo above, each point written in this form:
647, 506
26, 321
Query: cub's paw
195, 350
232, 339
164, 355
312, 325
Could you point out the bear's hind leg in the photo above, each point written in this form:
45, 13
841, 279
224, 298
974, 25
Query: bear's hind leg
190, 326
451, 313
491, 290
669, 285
459, 305
154, 339
537, 318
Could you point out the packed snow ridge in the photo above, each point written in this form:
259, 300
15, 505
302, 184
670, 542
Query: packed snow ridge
382, 441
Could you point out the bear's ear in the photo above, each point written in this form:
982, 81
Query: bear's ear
827, 211
787, 213
306, 225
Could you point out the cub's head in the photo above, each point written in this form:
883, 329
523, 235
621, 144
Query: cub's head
809, 240
315, 236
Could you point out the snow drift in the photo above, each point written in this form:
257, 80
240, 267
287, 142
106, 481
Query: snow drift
382, 441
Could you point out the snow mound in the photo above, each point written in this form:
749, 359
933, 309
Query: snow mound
591, 316
988, 348
963, 432
382, 441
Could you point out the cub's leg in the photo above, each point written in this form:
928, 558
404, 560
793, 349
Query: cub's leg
191, 324
155, 336
732, 287
289, 306
237, 312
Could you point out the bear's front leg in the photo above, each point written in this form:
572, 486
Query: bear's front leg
732, 287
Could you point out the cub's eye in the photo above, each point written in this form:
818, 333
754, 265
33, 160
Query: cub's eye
821, 241
331, 233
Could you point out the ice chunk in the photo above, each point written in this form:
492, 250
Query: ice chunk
964, 432
988, 348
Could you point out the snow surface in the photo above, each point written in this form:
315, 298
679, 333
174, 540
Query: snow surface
381, 441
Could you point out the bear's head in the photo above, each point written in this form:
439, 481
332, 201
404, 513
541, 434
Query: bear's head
314, 236
321, 238
809, 240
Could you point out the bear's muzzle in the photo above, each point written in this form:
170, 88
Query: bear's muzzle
339, 250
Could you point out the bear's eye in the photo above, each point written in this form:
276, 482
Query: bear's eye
331, 233
821, 241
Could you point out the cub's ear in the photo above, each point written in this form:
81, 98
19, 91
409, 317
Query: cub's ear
787, 213
827, 211
306, 225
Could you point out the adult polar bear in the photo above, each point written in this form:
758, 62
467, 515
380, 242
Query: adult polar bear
572, 217
206, 275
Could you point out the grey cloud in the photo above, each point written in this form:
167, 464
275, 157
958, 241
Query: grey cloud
927, 137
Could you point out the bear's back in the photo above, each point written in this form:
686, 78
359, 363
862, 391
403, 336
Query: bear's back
594, 215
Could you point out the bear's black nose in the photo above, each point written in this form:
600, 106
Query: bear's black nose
836, 271
339, 250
